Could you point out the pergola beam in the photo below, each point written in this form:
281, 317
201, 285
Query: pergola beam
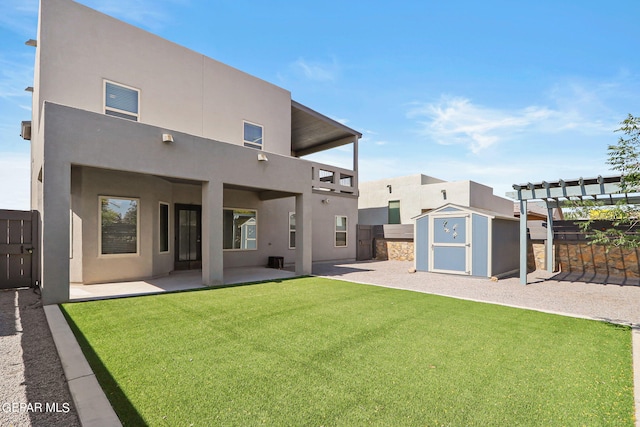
562, 192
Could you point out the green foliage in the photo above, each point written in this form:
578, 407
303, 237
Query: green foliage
314, 351
623, 157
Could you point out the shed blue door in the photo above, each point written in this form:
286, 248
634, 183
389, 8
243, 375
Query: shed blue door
450, 249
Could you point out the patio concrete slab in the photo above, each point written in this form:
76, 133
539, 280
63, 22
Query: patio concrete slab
176, 281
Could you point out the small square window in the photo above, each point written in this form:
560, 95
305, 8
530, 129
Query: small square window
121, 101
253, 135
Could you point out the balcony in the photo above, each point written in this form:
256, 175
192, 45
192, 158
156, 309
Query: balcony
334, 179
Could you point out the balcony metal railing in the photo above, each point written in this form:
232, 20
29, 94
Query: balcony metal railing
334, 179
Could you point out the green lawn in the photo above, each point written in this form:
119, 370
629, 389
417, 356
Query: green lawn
320, 352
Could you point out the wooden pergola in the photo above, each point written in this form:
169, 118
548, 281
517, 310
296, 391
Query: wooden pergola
563, 192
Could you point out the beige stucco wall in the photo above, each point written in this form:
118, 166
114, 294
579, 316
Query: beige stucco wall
79, 153
418, 193
97, 173
179, 89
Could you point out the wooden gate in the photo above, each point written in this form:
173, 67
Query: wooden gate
18, 234
365, 243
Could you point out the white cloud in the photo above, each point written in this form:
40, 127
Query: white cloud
456, 120
581, 107
316, 70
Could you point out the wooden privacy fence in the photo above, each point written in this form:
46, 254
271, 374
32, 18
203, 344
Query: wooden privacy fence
575, 254
570, 230
18, 237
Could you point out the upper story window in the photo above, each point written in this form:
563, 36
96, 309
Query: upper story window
253, 135
121, 101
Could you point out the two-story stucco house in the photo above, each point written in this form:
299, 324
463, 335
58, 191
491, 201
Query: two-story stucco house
148, 157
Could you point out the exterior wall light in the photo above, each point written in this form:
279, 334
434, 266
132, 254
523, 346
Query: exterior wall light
262, 157
167, 138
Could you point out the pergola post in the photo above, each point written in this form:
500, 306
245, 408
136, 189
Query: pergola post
549, 264
523, 242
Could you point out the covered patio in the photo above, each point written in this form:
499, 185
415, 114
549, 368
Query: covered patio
176, 281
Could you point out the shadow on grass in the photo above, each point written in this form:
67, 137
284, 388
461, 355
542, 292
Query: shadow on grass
125, 410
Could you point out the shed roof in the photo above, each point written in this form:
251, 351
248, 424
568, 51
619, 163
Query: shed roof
483, 212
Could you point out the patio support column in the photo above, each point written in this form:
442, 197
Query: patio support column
523, 242
55, 231
212, 253
304, 234
355, 164
549, 255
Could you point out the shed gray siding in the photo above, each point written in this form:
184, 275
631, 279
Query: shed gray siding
506, 246
479, 245
422, 244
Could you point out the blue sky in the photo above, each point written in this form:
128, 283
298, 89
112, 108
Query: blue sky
499, 92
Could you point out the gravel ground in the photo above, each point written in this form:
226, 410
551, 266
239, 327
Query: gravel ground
33, 389
615, 303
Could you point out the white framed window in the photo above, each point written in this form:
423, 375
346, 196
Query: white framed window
253, 134
341, 231
239, 229
292, 230
121, 101
119, 226
163, 219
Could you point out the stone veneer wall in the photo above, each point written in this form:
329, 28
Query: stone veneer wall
581, 257
403, 250
394, 249
538, 248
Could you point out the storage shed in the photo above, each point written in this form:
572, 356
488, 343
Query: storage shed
469, 241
